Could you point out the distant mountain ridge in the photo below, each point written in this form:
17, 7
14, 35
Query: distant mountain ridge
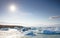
52, 25
38, 25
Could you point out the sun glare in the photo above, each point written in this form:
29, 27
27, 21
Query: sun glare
12, 8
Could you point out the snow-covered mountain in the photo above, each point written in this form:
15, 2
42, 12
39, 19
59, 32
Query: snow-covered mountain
49, 25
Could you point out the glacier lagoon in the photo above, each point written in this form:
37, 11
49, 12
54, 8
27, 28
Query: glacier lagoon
33, 32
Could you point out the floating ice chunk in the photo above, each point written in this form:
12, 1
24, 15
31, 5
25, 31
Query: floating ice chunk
29, 33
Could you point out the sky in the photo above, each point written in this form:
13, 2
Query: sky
30, 12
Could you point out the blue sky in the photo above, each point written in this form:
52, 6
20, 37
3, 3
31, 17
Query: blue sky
30, 11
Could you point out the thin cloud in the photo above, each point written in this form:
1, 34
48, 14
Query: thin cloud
21, 13
54, 17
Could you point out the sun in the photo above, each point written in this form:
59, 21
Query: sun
12, 8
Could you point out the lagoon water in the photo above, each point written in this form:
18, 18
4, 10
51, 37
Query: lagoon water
16, 34
47, 36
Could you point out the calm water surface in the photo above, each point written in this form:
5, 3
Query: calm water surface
44, 36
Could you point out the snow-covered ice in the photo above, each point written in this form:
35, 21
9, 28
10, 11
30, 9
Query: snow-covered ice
11, 33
